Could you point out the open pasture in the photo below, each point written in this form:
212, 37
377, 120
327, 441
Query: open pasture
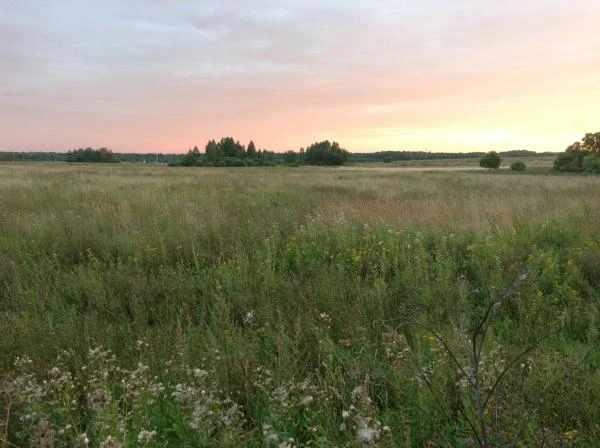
155, 306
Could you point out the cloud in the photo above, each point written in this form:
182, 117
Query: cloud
285, 71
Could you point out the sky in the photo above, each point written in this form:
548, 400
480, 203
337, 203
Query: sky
430, 75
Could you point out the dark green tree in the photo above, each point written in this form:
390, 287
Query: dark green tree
251, 151
212, 151
490, 160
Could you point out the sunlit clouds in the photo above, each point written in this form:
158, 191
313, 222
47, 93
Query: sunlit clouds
152, 75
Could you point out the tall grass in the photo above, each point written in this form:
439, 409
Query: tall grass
296, 307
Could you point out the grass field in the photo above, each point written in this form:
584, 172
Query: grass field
356, 306
539, 161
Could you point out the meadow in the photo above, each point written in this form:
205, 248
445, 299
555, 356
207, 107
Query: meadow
295, 307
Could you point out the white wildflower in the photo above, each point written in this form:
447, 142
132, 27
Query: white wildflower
366, 435
145, 437
305, 401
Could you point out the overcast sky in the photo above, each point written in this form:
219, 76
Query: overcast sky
164, 75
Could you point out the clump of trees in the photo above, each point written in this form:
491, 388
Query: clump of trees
490, 160
324, 153
192, 158
320, 153
227, 152
581, 156
230, 152
89, 155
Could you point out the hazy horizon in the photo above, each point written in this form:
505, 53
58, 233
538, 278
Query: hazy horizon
162, 76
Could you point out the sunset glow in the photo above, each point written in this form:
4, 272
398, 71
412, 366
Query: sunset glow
158, 75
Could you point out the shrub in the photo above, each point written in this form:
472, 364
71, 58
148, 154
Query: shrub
581, 156
231, 162
592, 163
569, 161
518, 166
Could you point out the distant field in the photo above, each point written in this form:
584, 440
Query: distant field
403, 304
534, 162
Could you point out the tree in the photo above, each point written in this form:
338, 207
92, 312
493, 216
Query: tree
491, 161
212, 151
251, 151
591, 143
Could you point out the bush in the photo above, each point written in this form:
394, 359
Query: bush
581, 156
591, 164
569, 161
518, 166
231, 161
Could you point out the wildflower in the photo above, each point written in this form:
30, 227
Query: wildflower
326, 318
270, 435
570, 434
145, 437
21, 362
305, 401
110, 442
199, 373
229, 416
249, 317
366, 435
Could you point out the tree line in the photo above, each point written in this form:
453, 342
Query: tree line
581, 156
402, 156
